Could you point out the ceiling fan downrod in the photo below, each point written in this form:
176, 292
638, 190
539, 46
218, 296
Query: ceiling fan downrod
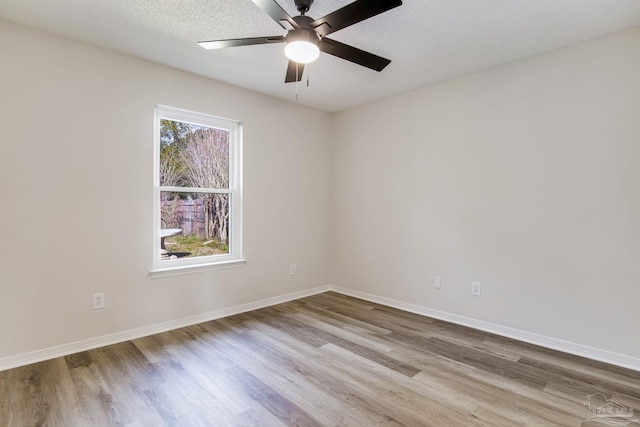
303, 6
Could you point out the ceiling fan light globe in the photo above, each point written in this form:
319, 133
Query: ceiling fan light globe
301, 51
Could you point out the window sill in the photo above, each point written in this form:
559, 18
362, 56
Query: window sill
178, 270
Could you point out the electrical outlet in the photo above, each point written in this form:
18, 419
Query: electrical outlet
292, 270
437, 282
476, 289
98, 301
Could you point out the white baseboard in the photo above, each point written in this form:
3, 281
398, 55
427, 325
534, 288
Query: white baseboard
91, 343
543, 341
529, 337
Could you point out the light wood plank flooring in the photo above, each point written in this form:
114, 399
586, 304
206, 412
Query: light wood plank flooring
325, 360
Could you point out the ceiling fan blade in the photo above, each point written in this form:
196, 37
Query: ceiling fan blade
353, 54
291, 72
276, 13
219, 44
352, 14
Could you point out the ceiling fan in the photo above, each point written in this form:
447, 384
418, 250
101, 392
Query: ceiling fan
306, 37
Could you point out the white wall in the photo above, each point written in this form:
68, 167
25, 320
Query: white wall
76, 144
525, 177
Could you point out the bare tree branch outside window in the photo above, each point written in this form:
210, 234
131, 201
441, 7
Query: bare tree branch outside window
198, 157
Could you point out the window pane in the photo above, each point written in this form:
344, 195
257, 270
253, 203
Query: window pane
193, 156
193, 224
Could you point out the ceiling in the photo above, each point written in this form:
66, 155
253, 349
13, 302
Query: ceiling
428, 41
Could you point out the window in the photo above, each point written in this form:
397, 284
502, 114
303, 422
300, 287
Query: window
198, 212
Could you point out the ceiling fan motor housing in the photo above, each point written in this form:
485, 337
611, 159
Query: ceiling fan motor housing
304, 33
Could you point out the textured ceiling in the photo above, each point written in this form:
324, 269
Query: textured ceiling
427, 40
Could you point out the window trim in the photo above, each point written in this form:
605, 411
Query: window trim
164, 268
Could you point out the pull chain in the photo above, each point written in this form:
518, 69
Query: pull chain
297, 81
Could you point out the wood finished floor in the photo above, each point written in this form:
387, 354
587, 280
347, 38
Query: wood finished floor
325, 360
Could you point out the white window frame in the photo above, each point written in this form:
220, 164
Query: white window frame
234, 258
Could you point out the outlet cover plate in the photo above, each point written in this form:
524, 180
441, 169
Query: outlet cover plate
98, 301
